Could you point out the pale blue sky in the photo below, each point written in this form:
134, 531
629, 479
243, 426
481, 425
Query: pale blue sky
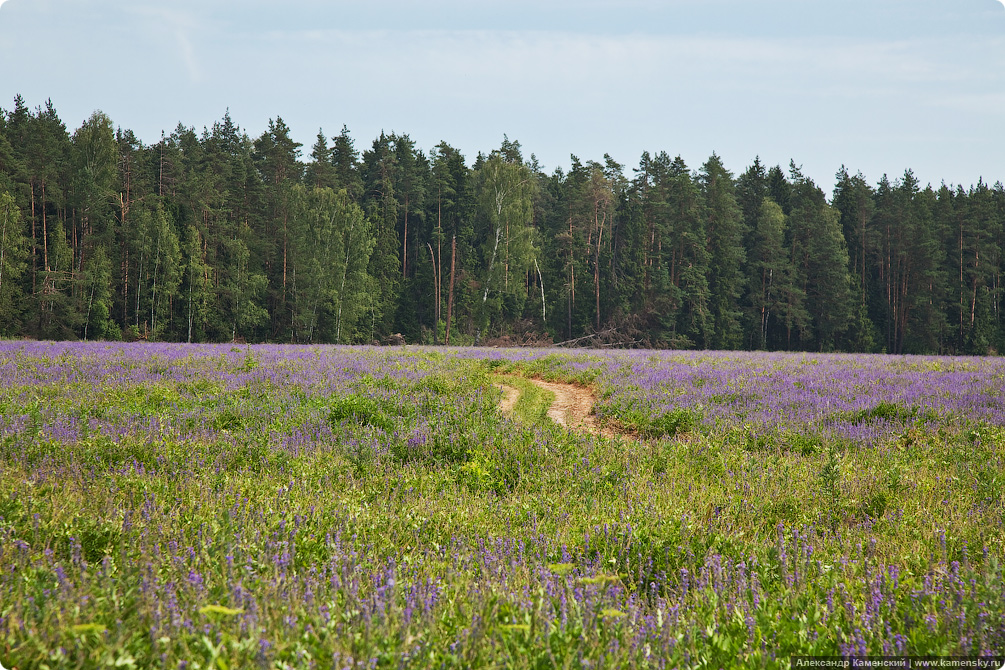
877, 85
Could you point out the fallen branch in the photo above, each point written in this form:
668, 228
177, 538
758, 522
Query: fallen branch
592, 336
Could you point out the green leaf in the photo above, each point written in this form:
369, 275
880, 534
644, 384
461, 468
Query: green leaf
219, 611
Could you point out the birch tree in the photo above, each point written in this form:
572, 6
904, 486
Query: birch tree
333, 246
158, 271
505, 191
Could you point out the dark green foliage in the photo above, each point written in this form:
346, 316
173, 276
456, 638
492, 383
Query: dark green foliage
819, 262
362, 410
203, 237
875, 505
892, 412
830, 485
724, 230
669, 424
775, 302
805, 444
885, 411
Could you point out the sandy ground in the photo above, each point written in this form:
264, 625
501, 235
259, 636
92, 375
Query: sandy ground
571, 408
509, 398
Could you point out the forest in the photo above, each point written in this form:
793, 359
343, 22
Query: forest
216, 236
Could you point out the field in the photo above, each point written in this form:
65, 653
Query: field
170, 506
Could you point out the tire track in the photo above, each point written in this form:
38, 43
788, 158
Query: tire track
572, 407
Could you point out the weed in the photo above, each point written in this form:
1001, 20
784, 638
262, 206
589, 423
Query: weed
361, 410
830, 485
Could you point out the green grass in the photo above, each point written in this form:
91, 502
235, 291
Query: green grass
533, 403
544, 548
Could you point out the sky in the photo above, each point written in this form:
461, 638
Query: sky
879, 86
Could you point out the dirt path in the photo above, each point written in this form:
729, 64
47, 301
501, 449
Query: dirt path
571, 408
509, 398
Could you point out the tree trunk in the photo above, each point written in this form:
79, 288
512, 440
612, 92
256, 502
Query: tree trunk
160, 170
488, 282
34, 244
862, 223
45, 233
973, 303
962, 286
438, 267
190, 280
3, 248
153, 292
87, 320
436, 298
544, 309
596, 260
450, 294
404, 247
572, 277
139, 280
341, 291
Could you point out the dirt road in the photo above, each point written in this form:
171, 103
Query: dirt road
571, 407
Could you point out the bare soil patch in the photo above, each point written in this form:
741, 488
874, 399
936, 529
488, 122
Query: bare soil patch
509, 398
572, 407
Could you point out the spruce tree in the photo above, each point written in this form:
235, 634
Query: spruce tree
724, 229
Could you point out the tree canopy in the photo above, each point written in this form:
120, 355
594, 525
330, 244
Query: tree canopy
218, 236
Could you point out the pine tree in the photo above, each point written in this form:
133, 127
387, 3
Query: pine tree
828, 285
725, 231
345, 161
46, 150
378, 170
594, 219
449, 191
819, 261
94, 161
980, 230
779, 189
277, 157
854, 199
11, 167
320, 172
94, 157
911, 265
687, 259
656, 300
235, 191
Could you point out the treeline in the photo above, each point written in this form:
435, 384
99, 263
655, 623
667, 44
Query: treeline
216, 236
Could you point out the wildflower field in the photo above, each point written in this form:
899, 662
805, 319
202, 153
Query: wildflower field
172, 506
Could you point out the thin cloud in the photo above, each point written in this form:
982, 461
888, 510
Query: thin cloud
188, 57
862, 83
536, 55
182, 25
